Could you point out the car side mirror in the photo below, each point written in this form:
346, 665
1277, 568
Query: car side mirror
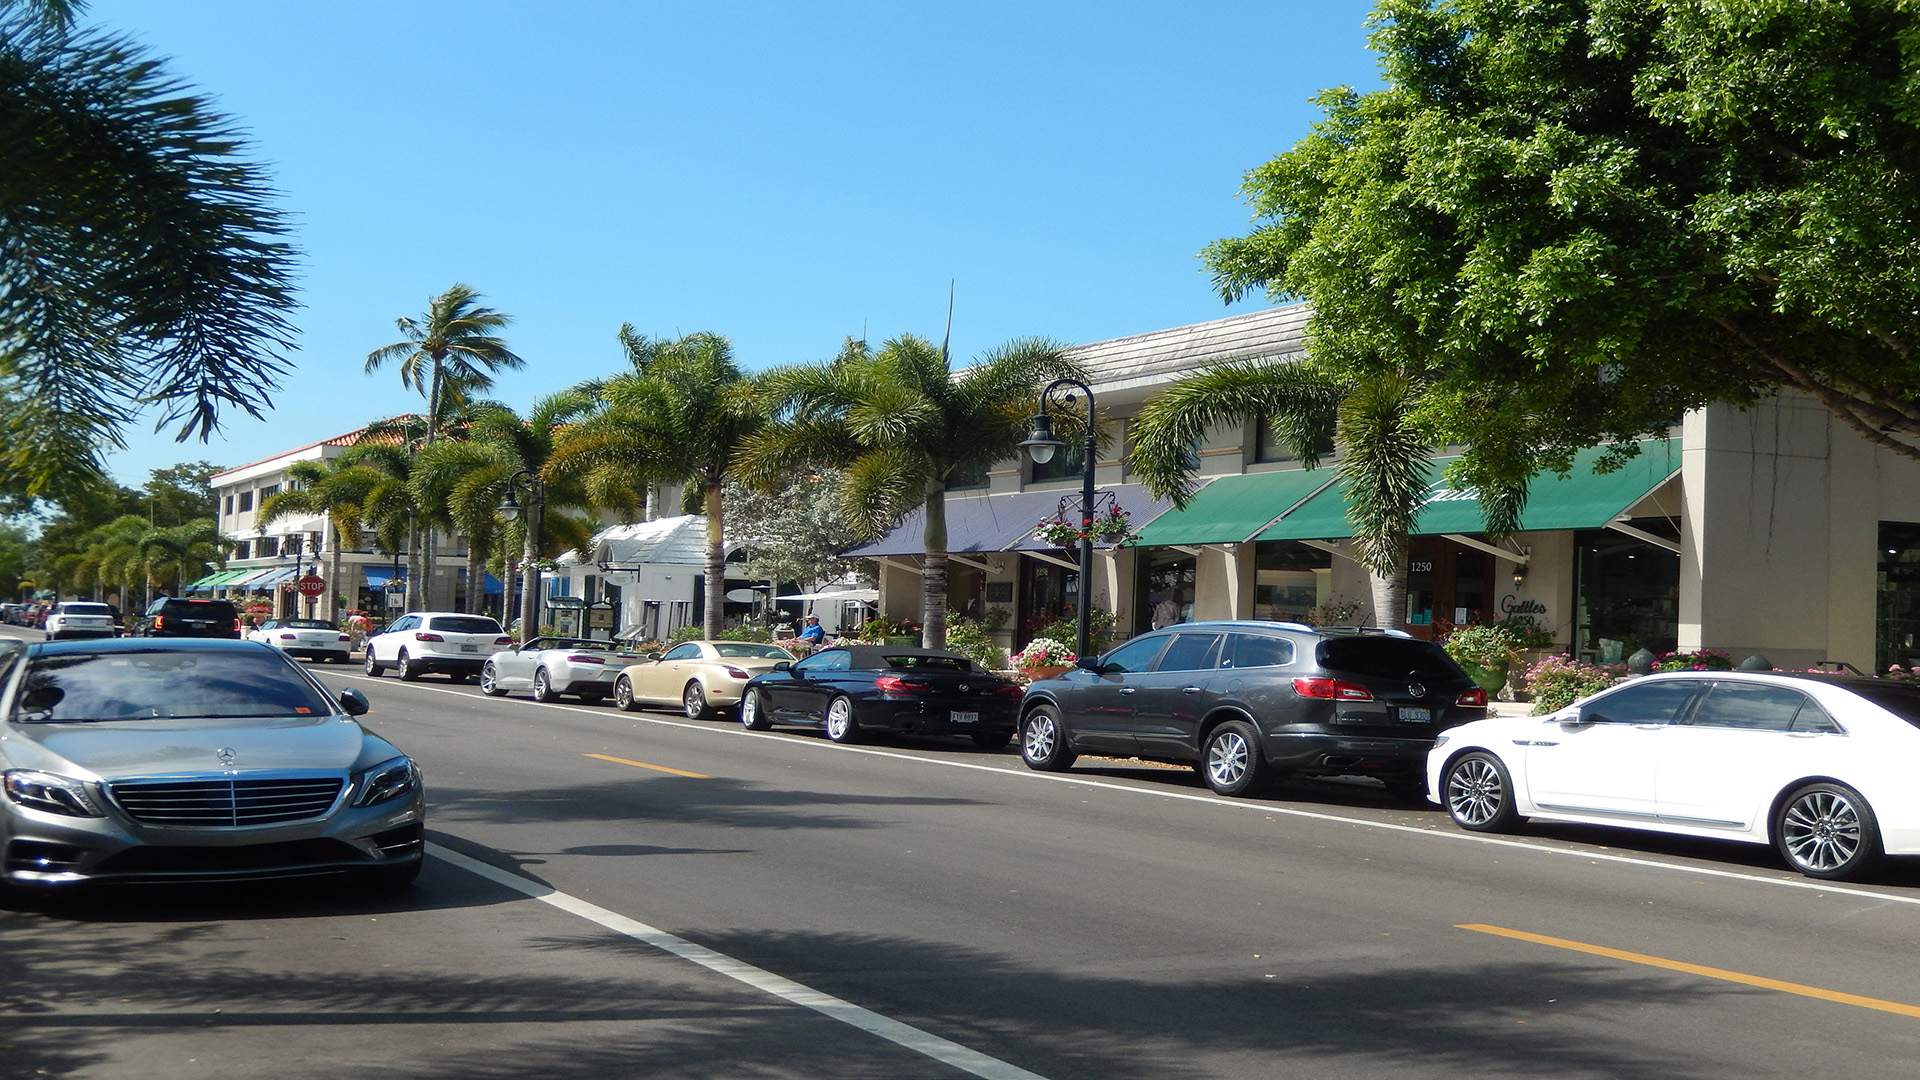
655, 655
354, 703
783, 665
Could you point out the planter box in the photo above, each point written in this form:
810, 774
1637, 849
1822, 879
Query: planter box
903, 641
1047, 671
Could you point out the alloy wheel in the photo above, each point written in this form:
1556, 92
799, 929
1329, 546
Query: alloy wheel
542, 688
749, 708
1474, 792
1041, 737
839, 718
1227, 759
694, 701
486, 679
1821, 831
623, 692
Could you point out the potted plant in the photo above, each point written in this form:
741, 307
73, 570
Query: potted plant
1484, 652
1045, 658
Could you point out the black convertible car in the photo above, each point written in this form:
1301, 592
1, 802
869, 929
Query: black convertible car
853, 690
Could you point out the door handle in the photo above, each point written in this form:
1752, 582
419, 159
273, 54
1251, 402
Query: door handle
1189, 689
1649, 727
1126, 689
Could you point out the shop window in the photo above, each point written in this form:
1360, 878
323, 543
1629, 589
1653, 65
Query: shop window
1269, 446
1048, 592
269, 491
267, 548
1290, 580
1165, 587
242, 549
1065, 464
246, 501
1626, 595
1897, 606
229, 505
966, 591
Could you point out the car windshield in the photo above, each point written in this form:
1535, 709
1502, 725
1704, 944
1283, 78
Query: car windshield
464, 624
305, 624
1386, 657
738, 650
928, 663
163, 685
84, 609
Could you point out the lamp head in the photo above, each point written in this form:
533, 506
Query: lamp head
1040, 441
510, 506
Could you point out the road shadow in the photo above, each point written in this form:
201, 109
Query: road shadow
642, 797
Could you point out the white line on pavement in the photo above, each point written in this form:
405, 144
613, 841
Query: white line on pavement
1230, 804
906, 1035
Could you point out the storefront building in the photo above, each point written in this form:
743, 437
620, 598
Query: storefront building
1771, 530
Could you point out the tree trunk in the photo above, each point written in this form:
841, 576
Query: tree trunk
933, 578
652, 510
414, 600
428, 540
476, 577
536, 514
1389, 596
507, 564
716, 562
330, 596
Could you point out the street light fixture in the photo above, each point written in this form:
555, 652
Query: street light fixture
1041, 444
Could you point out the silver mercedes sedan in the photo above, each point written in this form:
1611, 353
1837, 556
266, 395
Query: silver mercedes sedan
182, 759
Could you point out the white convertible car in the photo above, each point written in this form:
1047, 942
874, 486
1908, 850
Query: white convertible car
312, 639
552, 666
1821, 767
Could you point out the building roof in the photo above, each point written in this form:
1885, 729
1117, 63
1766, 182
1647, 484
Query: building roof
350, 438
1273, 332
673, 541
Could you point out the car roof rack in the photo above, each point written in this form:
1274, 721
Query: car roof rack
1385, 631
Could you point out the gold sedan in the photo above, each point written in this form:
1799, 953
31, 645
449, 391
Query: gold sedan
698, 676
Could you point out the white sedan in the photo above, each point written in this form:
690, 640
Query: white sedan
309, 638
1821, 767
552, 666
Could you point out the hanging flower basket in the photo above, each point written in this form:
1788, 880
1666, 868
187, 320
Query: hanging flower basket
1109, 526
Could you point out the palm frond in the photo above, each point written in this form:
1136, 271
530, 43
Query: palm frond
1383, 462
1301, 403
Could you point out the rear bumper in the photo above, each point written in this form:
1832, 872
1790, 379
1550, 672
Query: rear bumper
75, 635
598, 682
1333, 753
926, 718
318, 654
449, 665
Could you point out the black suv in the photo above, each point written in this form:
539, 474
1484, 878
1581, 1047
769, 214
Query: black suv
1246, 702
175, 616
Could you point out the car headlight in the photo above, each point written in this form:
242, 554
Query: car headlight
387, 780
50, 793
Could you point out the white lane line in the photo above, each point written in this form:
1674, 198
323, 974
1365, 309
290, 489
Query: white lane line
906, 1035
1230, 804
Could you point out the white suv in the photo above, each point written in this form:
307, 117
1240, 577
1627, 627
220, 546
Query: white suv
79, 620
443, 641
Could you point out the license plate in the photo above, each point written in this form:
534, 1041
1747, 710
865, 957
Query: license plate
469, 648
1416, 716
964, 717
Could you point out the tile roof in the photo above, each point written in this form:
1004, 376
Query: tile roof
350, 438
1277, 331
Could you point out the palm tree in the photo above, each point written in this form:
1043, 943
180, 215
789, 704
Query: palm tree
114, 550
455, 342
681, 419
903, 424
177, 550
1381, 452
334, 489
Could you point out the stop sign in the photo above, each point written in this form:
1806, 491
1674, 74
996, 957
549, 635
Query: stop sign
311, 585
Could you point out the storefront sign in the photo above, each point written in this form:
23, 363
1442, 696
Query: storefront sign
1512, 605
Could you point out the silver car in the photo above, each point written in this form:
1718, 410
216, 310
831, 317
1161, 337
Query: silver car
177, 759
551, 666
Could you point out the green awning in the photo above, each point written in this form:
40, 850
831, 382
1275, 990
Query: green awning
224, 577
204, 582
1582, 499
1230, 509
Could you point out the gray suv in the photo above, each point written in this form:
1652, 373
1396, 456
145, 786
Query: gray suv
1246, 702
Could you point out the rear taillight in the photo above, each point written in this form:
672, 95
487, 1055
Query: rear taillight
503, 641
1010, 690
288, 637
578, 659
738, 673
1475, 698
344, 637
1331, 690
236, 626
160, 622
424, 636
894, 684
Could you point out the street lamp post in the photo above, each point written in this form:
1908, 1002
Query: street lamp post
535, 515
1042, 444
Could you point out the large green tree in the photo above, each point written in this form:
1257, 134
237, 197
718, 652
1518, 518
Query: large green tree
1569, 220
142, 265
903, 425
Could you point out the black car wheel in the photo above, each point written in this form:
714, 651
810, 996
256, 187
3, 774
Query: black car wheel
374, 670
409, 671
992, 740
488, 685
841, 726
694, 700
1479, 793
1231, 761
753, 711
1043, 741
1828, 831
623, 695
543, 687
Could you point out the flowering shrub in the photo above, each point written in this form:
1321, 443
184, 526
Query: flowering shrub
1559, 681
970, 638
1045, 652
1109, 528
1489, 645
1102, 630
1701, 660
880, 628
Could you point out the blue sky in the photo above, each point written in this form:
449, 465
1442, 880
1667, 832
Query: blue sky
784, 174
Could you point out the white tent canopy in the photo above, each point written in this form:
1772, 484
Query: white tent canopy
862, 595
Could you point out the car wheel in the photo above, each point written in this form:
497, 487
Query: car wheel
389, 879
543, 687
753, 712
1231, 761
409, 671
1043, 741
841, 726
991, 741
623, 695
694, 700
488, 685
1479, 793
374, 670
1828, 831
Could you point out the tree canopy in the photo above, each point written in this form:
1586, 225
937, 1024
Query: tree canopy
1570, 220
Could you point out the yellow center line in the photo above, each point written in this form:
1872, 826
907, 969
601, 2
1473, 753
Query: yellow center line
1898, 1008
648, 765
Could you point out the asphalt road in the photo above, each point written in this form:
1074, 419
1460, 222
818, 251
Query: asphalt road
702, 901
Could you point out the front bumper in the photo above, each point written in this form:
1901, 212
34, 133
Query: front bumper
51, 850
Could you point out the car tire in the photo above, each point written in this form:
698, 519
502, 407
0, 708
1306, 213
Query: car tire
753, 711
1043, 741
374, 670
623, 695
992, 741
409, 671
389, 880
488, 684
693, 700
1478, 793
1231, 762
543, 687
1827, 831
841, 724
